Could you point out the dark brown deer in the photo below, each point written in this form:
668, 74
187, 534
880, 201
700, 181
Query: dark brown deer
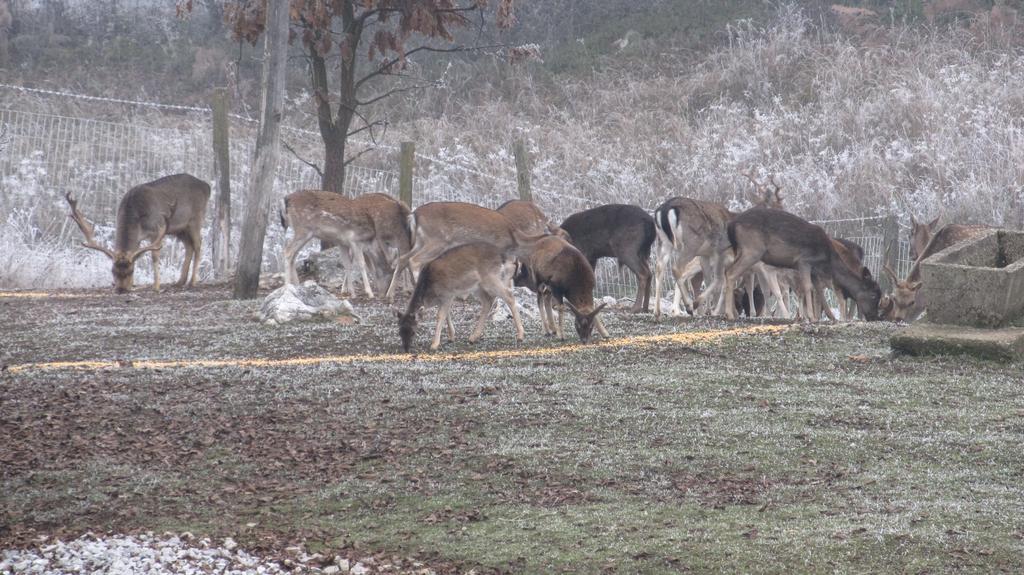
478, 268
439, 226
617, 231
784, 240
172, 205
558, 272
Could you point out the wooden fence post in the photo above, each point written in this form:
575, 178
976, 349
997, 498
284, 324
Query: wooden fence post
406, 166
890, 251
221, 244
522, 168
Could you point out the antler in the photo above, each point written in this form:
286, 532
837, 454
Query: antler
86, 227
154, 245
778, 188
892, 274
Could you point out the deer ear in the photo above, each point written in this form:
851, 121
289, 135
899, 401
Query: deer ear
935, 222
599, 308
915, 286
866, 273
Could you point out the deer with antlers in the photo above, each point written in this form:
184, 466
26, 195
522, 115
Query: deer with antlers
174, 205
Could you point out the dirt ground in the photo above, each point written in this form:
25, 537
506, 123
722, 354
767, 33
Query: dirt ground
807, 448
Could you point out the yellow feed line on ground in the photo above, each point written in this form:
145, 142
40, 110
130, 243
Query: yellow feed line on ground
43, 294
634, 341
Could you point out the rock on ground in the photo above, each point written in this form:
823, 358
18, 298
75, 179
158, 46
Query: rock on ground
302, 302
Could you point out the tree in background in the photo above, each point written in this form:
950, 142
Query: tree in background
389, 31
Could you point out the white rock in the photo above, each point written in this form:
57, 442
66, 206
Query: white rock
230, 544
359, 569
331, 570
291, 302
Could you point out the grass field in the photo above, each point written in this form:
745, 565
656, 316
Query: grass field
788, 449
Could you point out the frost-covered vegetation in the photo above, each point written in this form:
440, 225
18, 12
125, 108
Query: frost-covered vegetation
902, 120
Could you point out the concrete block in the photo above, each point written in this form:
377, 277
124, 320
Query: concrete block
924, 338
977, 283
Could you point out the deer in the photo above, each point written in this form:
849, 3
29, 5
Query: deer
174, 205
920, 234
529, 219
690, 228
368, 225
439, 226
620, 231
781, 239
558, 272
906, 302
477, 268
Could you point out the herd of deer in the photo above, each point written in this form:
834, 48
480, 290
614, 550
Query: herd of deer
454, 249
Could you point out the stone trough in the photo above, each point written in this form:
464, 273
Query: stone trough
975, 295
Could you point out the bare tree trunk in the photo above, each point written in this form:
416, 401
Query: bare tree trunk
257, 206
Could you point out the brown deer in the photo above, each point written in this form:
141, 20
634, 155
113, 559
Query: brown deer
529, 219
784, 240
476, 268
558, 272
174, 205
439, 226
372, 224
920, 234
906, 302
619, 231
697, 229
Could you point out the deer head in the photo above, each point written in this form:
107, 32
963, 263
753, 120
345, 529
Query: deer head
123, 268
763, 196
903, 297
584, 321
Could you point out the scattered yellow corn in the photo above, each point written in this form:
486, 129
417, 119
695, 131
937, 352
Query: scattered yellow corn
633, 341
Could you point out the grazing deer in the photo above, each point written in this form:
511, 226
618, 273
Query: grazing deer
476, 268
691, 229
920, 234
558, 272
619, 231
371, 224
439, 226
174, 205
784, 240
529, 219
906, 302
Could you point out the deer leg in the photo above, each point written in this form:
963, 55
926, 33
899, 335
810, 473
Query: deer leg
197, 252
511, 301
442, 316
806, 293
558, 326
156, 270
727, 301
819, 290
291, 249
642, 271
682, 278
357, 255
770, 280
486, 305
659, 271
186, 240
